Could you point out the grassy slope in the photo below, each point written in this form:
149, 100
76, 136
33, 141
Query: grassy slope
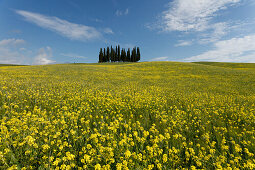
183, 80
195, 99
7, 65
230, 65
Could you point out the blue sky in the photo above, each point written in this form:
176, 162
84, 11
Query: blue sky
61, 31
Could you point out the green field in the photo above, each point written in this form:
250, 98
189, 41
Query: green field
151, 115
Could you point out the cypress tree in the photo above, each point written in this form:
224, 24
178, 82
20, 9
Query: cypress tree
138, 55
128, 55
107, 54
104, 56
125, 55
133, 55
111, 55
119, 53
122, 55
131, 58
101, 56
116, 53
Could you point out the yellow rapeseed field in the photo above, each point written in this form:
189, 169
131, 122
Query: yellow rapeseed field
155, 115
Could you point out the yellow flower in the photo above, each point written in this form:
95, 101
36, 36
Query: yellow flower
97, 167
164, 158
119, 166
193, 167
45, 147
127, 154
89, 146
159, 166
70, 156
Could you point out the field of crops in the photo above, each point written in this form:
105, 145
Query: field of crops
155, 115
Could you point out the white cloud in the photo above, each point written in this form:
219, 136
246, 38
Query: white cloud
12, 51
182, 43
8, 56
72, 55
218, 30
9, 51
240, 49
11, 41
43, 57
160, 59
108, 31
22, 49
62, 27
193, 15
120, 13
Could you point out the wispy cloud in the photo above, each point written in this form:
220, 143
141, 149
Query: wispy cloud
60, 26
182, 43
71, 55
108, 31
44, 56
22, 49
160, 59
12, 42
13, 51
120, 13
193, 15
198, 18
240, 49
9, 51
215, 33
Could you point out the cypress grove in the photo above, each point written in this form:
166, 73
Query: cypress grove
110, 54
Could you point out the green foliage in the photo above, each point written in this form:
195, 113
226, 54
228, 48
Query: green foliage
138, 55
120, 56
128, 55
119, 53
101, 56
108, 58
4, 65
133, 55
104, 56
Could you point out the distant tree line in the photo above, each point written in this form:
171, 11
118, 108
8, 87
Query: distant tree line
115, 55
